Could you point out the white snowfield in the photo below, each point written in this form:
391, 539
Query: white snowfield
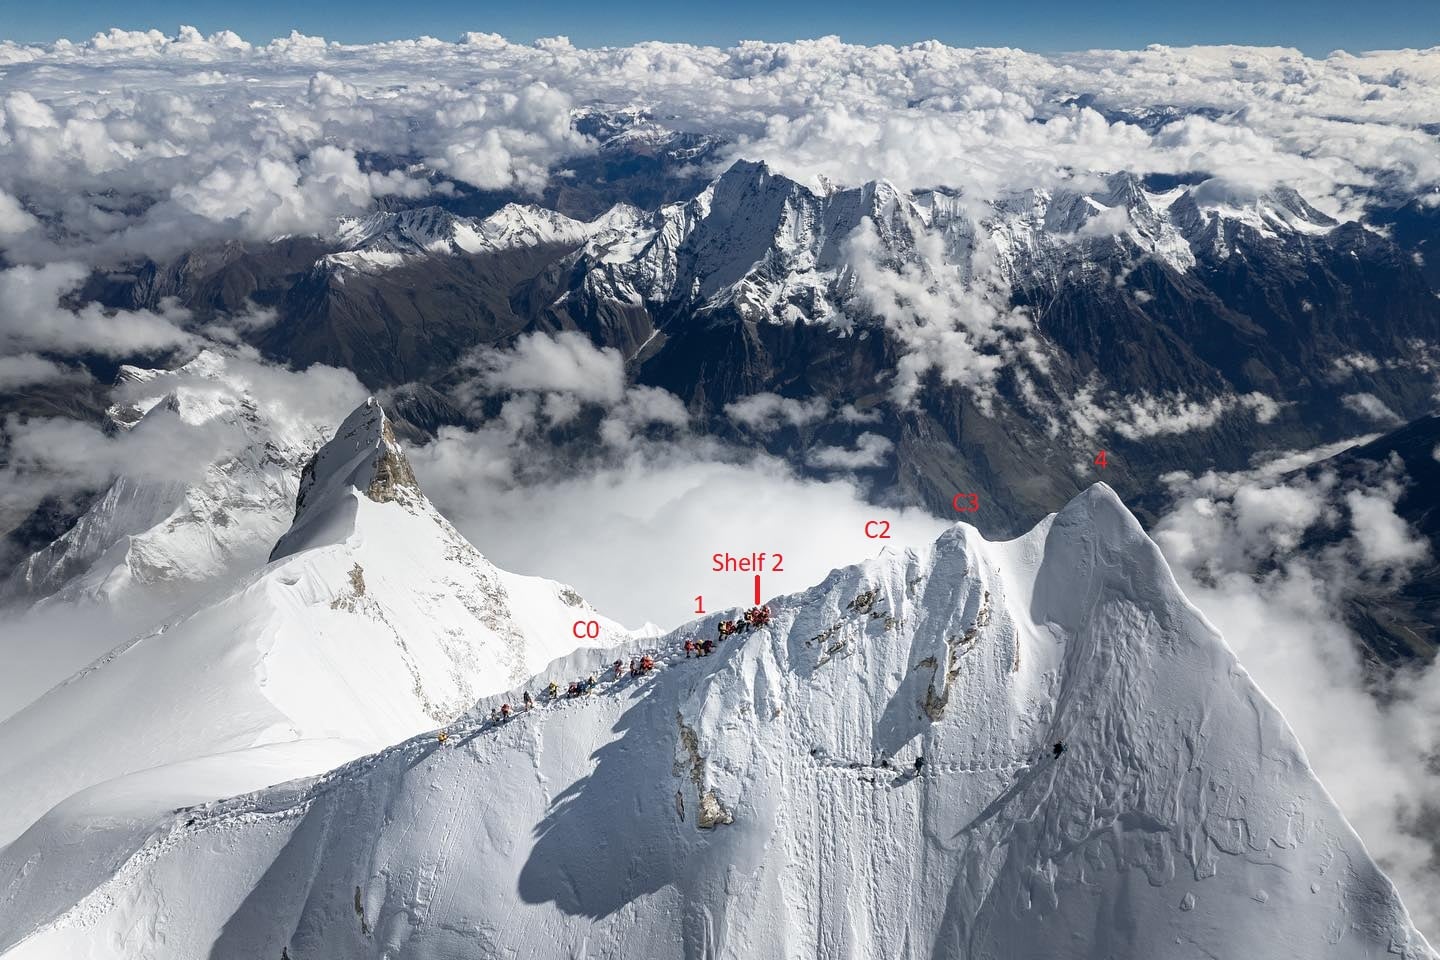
764, 801
375, 620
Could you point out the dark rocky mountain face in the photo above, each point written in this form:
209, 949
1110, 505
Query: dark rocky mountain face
1188, 303
1177, 327
1399, 621
408, 324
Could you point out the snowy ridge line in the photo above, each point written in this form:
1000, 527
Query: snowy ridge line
294, 799
1183, 802
296, 796
387, 624
302, 793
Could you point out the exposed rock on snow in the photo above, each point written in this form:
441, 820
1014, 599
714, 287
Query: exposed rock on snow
375, 620
1183, 819
776, 250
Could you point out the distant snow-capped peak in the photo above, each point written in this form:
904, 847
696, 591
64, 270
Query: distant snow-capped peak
776, 249
388, 239
151, 530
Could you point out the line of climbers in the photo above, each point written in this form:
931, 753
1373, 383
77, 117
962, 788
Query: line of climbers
753, 619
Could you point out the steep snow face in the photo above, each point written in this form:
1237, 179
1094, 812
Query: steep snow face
766, 800
386, 240
374, 621
155, 536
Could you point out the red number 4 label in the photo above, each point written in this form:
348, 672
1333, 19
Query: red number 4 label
1101, 460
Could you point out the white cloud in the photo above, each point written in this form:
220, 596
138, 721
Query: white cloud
1384, 538
13, 217
564, 363
505, 140
550, 378
1353, 363
964, 331
132, 141
1107, 223
642, 407
560, 408
767, 412
1148, 415
850, 414
646, 555
58, 457
1369, 405
32, 317
23, 369
871, 450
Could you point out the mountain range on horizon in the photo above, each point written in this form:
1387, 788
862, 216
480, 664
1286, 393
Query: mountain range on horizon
372, 417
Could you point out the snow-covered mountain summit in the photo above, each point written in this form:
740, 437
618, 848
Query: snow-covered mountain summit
363, 455
872, 773
375, 620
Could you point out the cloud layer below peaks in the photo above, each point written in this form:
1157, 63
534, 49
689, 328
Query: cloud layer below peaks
135, 142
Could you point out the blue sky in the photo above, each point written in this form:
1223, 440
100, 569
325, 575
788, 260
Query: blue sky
1315, 26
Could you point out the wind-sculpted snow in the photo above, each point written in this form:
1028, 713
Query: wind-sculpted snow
374, 620
765, 801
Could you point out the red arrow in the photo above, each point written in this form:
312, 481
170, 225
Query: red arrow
757, 589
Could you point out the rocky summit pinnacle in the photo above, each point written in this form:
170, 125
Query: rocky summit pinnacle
393, 480
363, 456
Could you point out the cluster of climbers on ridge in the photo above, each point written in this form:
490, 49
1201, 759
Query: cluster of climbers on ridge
752, 619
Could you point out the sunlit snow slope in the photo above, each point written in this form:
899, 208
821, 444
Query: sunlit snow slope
763, 802
373, 621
